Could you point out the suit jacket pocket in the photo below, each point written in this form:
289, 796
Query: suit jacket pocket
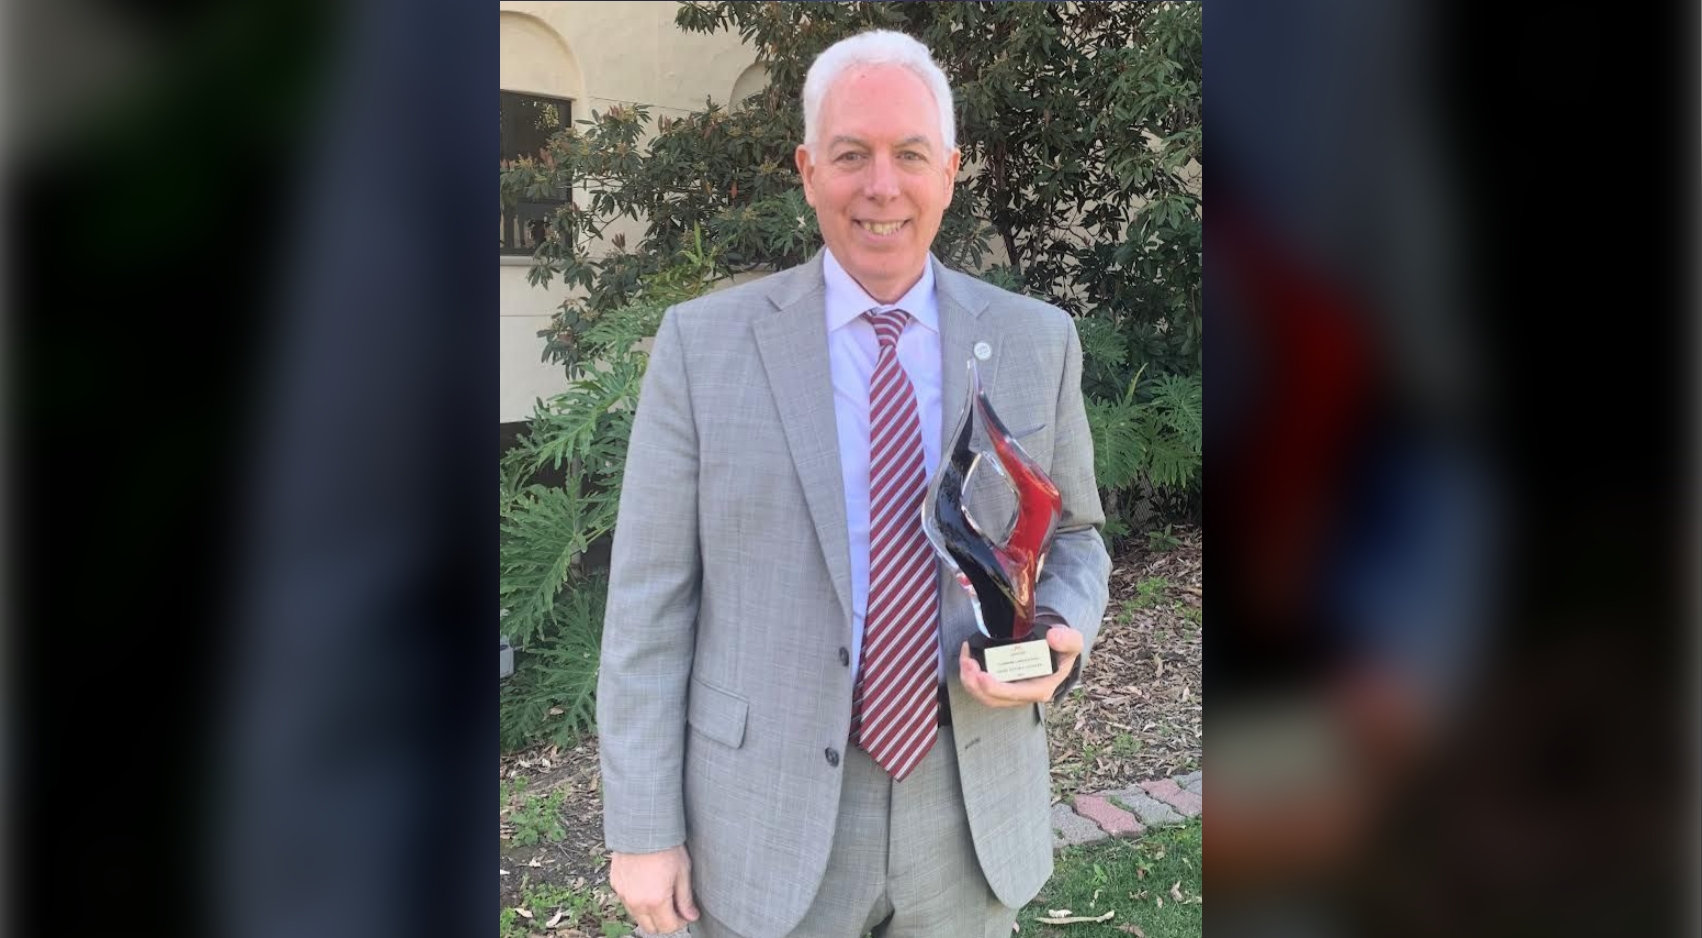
717, 714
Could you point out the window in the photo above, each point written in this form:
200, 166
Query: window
527, 123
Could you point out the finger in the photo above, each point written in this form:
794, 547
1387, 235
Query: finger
1019, 692
973, 677
1057, 679
967, 668
682, 895
644, 923
997, 693
666, 922
1064, 640
1034, 689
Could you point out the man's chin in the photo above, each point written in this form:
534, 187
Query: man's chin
891, 261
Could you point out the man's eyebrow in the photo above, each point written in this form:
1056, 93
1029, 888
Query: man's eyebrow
912, 140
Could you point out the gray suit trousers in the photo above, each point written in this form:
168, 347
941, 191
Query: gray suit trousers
903, 862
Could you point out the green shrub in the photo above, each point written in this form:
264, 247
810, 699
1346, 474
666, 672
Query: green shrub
551, 594
1149, 441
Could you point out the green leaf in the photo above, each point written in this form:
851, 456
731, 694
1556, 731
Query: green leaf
1101, 342
557, 671
1118, 447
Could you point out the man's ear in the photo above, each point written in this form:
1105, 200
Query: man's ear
952, 163
801, 156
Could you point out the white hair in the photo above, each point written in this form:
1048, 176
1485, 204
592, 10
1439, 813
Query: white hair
875, 47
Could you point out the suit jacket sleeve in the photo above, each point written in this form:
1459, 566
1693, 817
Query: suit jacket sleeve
650, 618
1074, 585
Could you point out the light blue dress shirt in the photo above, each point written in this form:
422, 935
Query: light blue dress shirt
852, 351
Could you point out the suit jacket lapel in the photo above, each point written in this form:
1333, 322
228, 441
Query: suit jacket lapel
793, 345
962, 327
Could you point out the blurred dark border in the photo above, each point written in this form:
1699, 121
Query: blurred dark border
252, 371
251, 359
1452, 262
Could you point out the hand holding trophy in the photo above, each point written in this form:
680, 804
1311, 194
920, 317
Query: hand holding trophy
999, 577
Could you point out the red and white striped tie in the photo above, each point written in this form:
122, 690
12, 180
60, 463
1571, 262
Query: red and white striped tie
896, 710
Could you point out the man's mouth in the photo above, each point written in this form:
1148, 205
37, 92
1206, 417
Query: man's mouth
882, 227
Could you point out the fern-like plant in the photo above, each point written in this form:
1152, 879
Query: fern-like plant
552, 694
551, 597
1149, 441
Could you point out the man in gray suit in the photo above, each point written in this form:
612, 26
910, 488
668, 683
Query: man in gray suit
795, 740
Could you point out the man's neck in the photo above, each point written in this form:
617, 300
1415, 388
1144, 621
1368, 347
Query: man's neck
886, 296
846, 298
889, 297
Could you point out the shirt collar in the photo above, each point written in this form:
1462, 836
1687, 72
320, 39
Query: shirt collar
847, 300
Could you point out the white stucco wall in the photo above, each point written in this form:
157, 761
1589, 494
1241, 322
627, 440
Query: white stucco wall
523, 310
597, 55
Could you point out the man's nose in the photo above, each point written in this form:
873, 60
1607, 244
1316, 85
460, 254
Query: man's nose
882, 181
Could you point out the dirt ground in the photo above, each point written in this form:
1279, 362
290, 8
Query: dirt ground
1137, 714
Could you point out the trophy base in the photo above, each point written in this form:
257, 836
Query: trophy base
1009, 660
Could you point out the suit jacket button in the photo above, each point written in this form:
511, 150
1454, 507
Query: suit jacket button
833, 757
845, 657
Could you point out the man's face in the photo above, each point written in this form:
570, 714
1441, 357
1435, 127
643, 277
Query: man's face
880, 180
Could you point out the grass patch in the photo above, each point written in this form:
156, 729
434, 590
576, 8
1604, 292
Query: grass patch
533, 818
543, 907
1152, 886
1149, 593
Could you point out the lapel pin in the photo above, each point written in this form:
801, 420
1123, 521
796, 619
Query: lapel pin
983, 351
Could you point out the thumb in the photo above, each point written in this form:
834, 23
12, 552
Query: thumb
1064, 640
682, 895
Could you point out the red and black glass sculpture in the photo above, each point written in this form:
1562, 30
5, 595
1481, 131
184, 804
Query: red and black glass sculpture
999, 573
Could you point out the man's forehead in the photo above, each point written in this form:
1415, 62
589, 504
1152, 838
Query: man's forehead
851, 88
880, 70
855, 113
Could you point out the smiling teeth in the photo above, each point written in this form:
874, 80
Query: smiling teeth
885, 229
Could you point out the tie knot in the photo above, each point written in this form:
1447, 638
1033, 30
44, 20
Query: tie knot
888, 325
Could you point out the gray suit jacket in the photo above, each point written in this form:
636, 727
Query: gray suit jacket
723, 702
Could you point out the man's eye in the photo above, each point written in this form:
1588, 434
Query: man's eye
848, 157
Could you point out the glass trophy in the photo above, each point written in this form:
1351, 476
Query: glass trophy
997, 566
